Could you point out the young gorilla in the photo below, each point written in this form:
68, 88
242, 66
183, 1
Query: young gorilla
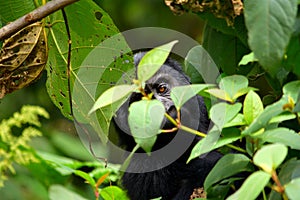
177, 180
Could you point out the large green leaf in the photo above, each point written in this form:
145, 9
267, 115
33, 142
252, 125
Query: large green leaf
98, 61
13, 9
144, 119
226, 50
270, 25
227, 166
252, 186
269, 157
200, 67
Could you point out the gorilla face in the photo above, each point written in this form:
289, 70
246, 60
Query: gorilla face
160, 85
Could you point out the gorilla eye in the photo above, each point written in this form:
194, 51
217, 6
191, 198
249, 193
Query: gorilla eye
162, 88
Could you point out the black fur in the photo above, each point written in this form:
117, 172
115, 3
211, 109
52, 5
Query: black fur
177, 180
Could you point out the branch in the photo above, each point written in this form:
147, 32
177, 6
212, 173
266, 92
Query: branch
33, 16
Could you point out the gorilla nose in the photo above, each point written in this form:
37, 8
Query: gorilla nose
173, 113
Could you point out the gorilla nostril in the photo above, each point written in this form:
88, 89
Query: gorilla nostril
172, 112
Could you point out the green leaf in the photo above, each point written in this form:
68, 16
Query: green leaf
269, 157
243, 91
292, 90
70, 146
87, 177
247, 59
214, 42
221, 94
112, 95
253, 107
112, 193
90, 60
252, 186
222, 113
60, 192
182, 94
205, 144
229, 135
145, 118
227, 166
284, 136
263, 119
153, 60
270, 25
200, 67
289, 170
232, 84
292, 189
12, 10
283, 117
238, 120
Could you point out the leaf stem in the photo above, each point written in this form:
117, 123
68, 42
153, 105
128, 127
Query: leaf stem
278, 188
195, 132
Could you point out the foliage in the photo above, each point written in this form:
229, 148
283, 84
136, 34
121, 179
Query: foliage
258, 55
16, 148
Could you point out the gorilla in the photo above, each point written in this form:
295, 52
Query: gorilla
171, 181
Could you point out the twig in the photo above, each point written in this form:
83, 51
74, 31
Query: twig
33, 16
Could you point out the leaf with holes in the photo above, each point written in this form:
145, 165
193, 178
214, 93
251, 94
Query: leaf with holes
97, 64
92, 60
22, 58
